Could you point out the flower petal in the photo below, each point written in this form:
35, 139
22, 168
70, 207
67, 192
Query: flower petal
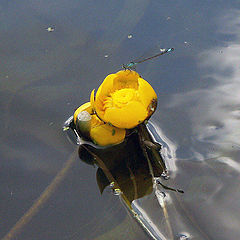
128, 116
92, 98
125, 79
105, 134
85, 107
106, 87
124, 99
146, 92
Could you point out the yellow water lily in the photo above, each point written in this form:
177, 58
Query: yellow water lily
100, 133
124, 99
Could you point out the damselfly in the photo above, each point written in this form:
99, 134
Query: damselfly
132, 65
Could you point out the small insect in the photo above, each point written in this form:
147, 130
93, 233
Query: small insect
132, 65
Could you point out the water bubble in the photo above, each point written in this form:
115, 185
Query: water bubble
187, 43
183, 236
160, 194
67, 123
50, 29
112, 184
50, 124
117, 191
165, 175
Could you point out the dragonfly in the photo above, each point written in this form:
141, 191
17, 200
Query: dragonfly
132, 65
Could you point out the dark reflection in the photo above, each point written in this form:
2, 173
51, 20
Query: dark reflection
124, 165
133, 169
129, 167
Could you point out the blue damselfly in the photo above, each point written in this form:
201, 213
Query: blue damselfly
132, 65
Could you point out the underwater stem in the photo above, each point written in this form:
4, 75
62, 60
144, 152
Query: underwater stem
46, 194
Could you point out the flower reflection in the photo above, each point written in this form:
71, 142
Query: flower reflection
124, 167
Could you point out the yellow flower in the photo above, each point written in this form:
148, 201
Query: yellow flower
100, 133
85, 107
124, 99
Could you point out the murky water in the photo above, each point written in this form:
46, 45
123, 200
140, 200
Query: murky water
45, 75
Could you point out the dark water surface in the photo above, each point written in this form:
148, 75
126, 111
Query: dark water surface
45, 75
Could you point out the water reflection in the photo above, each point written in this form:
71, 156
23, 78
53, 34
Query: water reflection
215, 113
134, 173
121, 167
41, 82
210, 171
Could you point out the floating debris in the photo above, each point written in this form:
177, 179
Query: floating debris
51, 123
50, 29
130, 36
